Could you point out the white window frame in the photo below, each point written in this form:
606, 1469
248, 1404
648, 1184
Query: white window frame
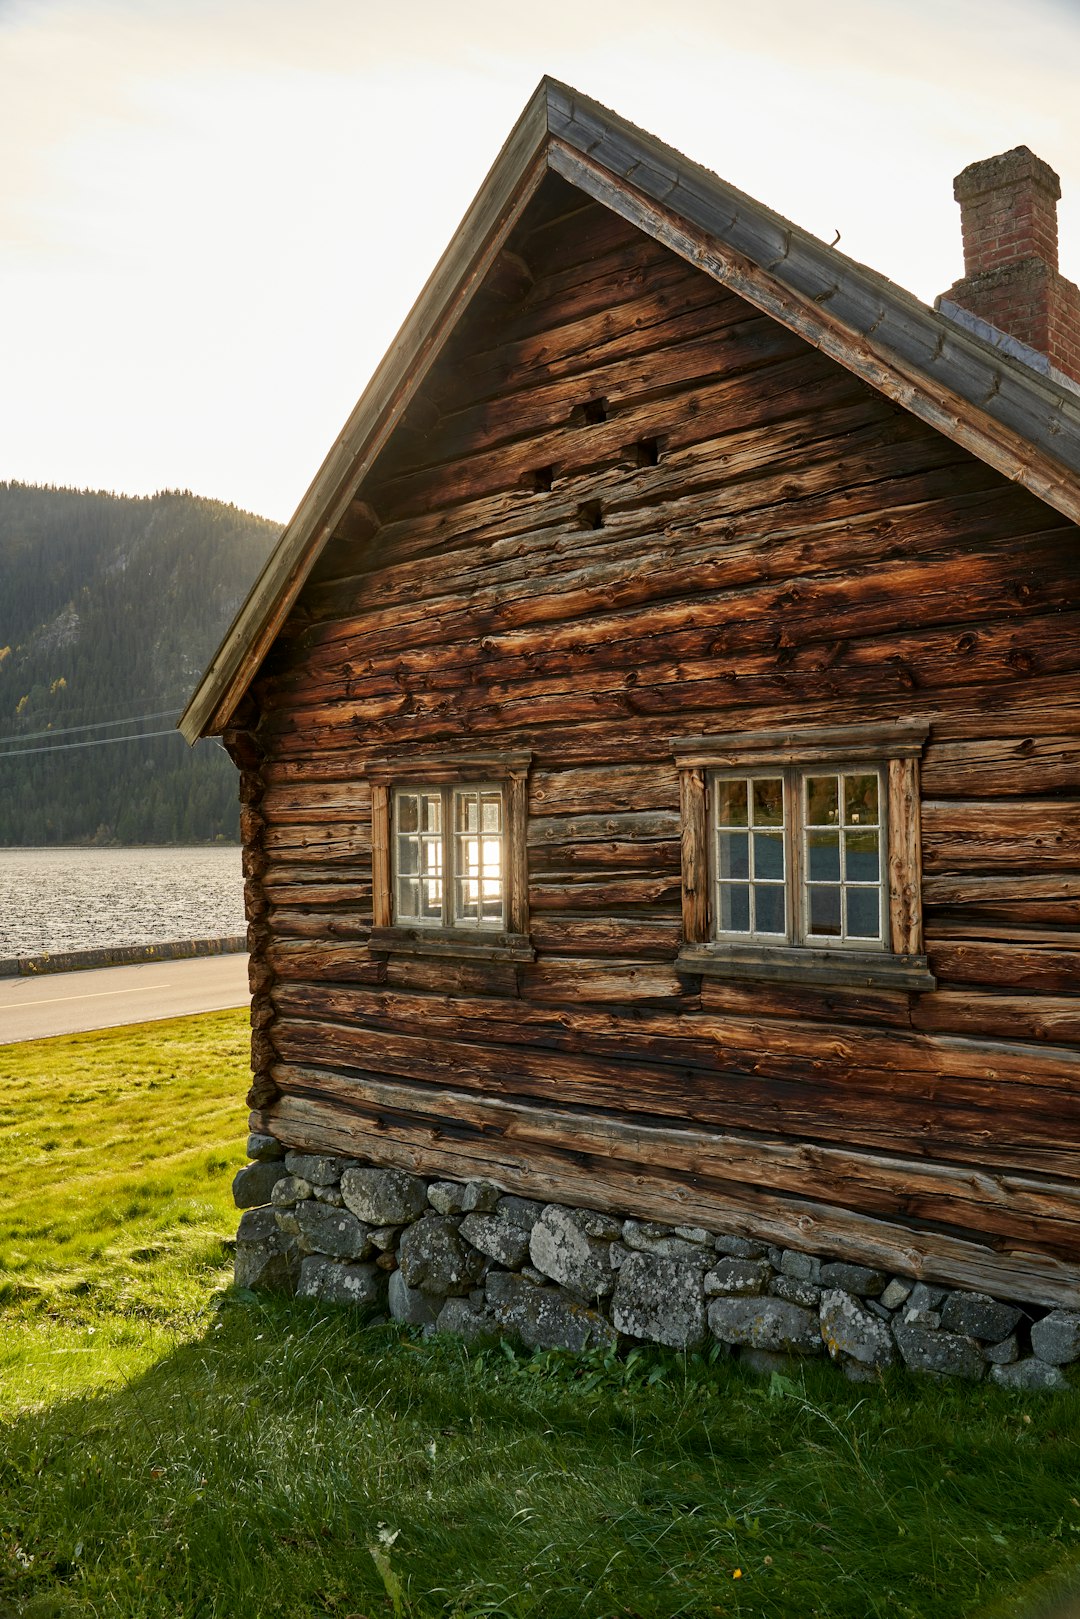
450, 839
889, 750
445, 774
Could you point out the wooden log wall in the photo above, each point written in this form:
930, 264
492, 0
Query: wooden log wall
625, 506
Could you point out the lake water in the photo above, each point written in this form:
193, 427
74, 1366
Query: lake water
78, 899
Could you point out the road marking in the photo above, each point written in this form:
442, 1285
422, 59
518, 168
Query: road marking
99, 994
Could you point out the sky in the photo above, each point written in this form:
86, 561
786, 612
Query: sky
215, 214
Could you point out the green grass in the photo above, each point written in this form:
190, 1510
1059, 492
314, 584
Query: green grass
171, 1448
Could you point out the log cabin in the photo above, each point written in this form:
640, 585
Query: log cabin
658, 727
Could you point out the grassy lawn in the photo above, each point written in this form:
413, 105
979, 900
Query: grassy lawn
169, 1448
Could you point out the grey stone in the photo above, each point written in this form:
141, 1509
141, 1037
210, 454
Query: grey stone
897, 1293
857, 1279
384, 1237
774, 1256
317, 1168
767, 1361
264, 1148
531, 1274
601, 1226
506, 1243
341, 1284
766, 1323
1029, 1374
946, 1354
481, 1197
738, 1276
290, 1189
661, 1300
408, 1304
253, 1185
335, 1232
804, 1293
740, 1247
271, 1266
1056, 1337
560, 1247
925, 1297
618, 1255
878, 1309
328, 1195
465, 1319
383, 1196
432, 1256
979, 1316
856, 1372
648, 1238
446, 1197
850, 1331
694, 1233
257, 1225
928, 1320
287, 1221
544, 1317
1004, 1353
520, 1211
803, 1267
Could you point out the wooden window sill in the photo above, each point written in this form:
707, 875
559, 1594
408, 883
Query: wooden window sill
805, 964
472, 944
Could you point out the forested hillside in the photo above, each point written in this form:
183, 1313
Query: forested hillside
110, 607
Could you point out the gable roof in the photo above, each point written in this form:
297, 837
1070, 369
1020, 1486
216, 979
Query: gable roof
1022, 423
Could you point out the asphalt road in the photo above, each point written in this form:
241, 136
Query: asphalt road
104, 997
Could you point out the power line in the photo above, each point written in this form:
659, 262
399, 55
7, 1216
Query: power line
98, 725
95, 742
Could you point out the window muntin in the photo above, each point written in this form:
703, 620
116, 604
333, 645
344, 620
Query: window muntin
449, 850
798, 856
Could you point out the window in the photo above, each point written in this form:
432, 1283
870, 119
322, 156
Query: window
448, 856
801, 855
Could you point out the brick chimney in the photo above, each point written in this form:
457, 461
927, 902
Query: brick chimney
1008, 213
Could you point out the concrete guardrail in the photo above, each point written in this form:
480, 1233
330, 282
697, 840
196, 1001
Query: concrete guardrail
66, 961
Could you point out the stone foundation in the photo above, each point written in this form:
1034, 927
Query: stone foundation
466, 1258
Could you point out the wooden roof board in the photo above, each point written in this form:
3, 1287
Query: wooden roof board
1019, 421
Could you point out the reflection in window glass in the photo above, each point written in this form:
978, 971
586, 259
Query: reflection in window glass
843, 867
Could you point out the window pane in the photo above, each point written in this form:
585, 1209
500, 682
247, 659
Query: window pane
735, 907
822, 800
408, 898
492, 815
824, 903
861, 857
770, 913
768, 855
431, 851
467, 812
432, 892
733, 854
408, 812
432, 812
769, 801
863, 913
861, 800
731, 803
408, 855
823, 857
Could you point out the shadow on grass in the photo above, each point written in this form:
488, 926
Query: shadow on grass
292, 1461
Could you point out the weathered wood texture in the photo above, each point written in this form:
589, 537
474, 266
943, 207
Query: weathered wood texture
626, 507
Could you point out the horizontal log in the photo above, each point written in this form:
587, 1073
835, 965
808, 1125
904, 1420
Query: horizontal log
321, 925
619, 936
346, 962
563, 980
1026, 835
600, 790
1054, 1018
1014, 899
1022, 766
597, 1179
615, 894
1037, 969
332, 843
633, 826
